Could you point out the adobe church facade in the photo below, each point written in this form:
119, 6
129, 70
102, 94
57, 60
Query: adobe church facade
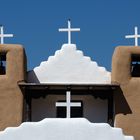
12, 70
70, 84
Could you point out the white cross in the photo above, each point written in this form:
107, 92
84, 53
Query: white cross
136, 36
2, 35
68, 104
69, 30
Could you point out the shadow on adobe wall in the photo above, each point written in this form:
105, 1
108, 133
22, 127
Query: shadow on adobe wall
120, 102
31, 77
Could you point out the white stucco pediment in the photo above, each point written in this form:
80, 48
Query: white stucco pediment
69, 65
63, 129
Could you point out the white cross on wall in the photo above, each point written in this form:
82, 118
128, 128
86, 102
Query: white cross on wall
68, 104
2, 35
135, 36
69, 30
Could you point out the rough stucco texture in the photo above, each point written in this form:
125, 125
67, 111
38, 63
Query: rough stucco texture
11, 99
127, 119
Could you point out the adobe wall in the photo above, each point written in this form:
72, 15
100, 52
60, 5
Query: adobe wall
127, 100
11, 99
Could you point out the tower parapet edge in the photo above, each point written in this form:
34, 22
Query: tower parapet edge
11, 100
125, 71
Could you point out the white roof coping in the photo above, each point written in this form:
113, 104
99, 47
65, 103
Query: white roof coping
68, 66
64, 129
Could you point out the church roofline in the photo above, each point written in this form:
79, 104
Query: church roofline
65, 86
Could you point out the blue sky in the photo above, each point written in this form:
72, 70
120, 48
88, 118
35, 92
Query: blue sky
103, 23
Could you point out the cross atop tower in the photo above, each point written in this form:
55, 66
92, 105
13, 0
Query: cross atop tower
2, 35
69, 30
135, 36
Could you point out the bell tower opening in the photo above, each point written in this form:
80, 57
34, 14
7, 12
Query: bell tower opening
2, 63
135, 65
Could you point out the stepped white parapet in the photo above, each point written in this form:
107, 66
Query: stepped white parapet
69, 65
63, 129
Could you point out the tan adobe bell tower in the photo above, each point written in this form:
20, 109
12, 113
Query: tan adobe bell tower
126, 72
12, 70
